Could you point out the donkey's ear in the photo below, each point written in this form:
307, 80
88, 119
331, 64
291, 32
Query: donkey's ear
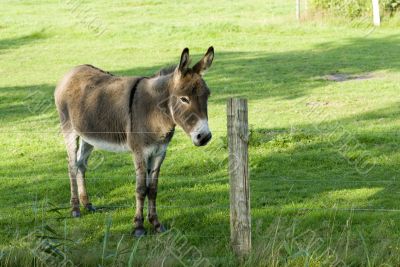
204, 63
184, 63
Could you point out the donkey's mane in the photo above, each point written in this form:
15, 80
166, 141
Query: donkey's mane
96, 68
162, 72
165, 71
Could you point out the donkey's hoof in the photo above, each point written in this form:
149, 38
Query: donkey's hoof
139, 232
160, 228
76, 213
89, 207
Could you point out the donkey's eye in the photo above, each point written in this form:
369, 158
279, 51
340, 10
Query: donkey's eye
184, 99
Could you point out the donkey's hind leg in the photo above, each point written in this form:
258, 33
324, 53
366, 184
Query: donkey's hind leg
83, 155
71, 142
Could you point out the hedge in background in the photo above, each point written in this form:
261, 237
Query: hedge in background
392, 5
355, 8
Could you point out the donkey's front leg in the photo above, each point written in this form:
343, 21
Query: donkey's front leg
153, 172
141, 190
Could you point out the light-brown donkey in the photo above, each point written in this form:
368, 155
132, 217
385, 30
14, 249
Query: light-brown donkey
136, 114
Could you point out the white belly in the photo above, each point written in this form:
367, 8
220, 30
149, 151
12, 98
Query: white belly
104, 145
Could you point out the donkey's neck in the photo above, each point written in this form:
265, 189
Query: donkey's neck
160, 85
159, 90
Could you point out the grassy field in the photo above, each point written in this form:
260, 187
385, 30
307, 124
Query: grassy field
324, 154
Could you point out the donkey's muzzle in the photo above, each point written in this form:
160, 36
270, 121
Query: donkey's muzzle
201, 134
204, 139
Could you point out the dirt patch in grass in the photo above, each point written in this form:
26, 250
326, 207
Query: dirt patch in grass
342, 77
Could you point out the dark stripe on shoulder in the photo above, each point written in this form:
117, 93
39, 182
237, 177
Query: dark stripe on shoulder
132, 94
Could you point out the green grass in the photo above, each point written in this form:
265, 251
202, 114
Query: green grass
324, 155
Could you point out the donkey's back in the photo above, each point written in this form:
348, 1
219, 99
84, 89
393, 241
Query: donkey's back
94, 104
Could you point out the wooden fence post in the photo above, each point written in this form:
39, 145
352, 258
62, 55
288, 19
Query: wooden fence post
238, 134
376, 13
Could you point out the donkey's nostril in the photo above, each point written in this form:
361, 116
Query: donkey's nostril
205, 139
198, 136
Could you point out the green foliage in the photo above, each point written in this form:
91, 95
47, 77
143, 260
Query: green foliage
348, 8
354, 8
391, 5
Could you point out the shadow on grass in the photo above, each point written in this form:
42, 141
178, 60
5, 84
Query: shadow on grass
13, 43
254, 75
326, 159
26, 102
258, 75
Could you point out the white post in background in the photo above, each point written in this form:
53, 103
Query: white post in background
377, 16
298, 9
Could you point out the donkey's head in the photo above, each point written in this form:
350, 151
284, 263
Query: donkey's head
189, 96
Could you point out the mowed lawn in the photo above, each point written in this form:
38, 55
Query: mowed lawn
324, 154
